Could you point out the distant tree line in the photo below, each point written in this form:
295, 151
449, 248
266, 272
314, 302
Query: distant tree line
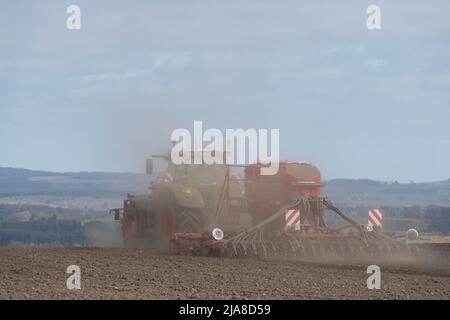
41, 210
65, 232
53, 231
42, 231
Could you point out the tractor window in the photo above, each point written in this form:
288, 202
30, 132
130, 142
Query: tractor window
179, 172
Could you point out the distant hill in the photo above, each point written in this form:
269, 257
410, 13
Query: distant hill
20, 182
369, 191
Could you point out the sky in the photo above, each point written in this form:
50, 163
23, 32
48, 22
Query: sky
355, 102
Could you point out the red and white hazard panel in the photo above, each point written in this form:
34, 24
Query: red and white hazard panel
375, 218
292, 219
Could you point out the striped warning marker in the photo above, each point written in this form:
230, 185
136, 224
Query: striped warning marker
375, 218
292, 219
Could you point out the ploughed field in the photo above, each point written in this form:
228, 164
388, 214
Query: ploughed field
116, 273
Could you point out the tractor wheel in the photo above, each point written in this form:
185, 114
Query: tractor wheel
190, 220
127, 231
165, 223
172, 219
166, 229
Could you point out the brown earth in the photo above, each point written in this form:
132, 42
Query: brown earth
107, 273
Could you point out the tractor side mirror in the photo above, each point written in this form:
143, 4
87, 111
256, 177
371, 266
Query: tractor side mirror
149, 167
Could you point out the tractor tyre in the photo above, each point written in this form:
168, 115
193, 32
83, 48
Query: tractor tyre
175, 219
190, 220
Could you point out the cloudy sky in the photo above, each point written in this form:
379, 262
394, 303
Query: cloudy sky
358, 103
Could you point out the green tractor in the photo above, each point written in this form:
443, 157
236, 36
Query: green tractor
187, 198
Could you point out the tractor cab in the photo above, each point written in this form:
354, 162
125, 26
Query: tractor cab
198, 174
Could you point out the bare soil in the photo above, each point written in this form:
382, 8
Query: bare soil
116, 273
